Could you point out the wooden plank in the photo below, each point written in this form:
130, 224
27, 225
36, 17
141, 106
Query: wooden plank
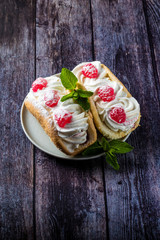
121, 42
152, 17
69, 195
16, 165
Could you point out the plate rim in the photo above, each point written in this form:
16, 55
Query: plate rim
23, 108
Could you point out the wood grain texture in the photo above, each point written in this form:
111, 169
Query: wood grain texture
152, 16
16, 160
69, 195
57, 199
121, 42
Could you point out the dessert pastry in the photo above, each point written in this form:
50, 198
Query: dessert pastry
68, 126
116, 113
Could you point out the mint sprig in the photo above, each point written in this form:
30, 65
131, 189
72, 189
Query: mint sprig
112, 160
110, 149
120, 147
95, 148
83, 102
80, 96
68, 79
65, 97
84, 94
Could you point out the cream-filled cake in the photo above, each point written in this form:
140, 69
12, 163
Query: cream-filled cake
66, 123
116, 113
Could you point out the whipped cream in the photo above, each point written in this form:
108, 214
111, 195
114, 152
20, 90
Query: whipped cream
131, 107
74, 133
129, 104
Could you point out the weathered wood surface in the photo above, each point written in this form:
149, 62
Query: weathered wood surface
16, 155
133, 194
152, 17
69, 195
42, 197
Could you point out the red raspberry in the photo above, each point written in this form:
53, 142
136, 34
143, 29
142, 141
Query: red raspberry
39, 83
106, 93
51, 98
63, 117
118, 114
90, 71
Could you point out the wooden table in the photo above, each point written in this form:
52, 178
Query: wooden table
42, 197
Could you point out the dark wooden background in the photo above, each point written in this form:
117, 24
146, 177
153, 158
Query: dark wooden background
42, 197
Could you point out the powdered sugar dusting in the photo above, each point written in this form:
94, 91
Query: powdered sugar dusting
39, 84
49, 95
62, 117
89, 70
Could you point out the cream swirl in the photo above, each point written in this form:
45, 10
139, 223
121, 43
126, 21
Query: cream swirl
131, 107
88, 82
74, 133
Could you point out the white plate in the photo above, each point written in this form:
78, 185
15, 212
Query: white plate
40, 139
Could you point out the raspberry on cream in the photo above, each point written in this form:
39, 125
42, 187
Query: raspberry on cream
39, 84
89, 70
62, 117
106, 93
130, 107
118, 114
51, 98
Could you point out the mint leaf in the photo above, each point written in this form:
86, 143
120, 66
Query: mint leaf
105, 144
68, 79
84, 94
69, 95
118, 146
93, 149
110, 148
75, 95
83, 102
112, 160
